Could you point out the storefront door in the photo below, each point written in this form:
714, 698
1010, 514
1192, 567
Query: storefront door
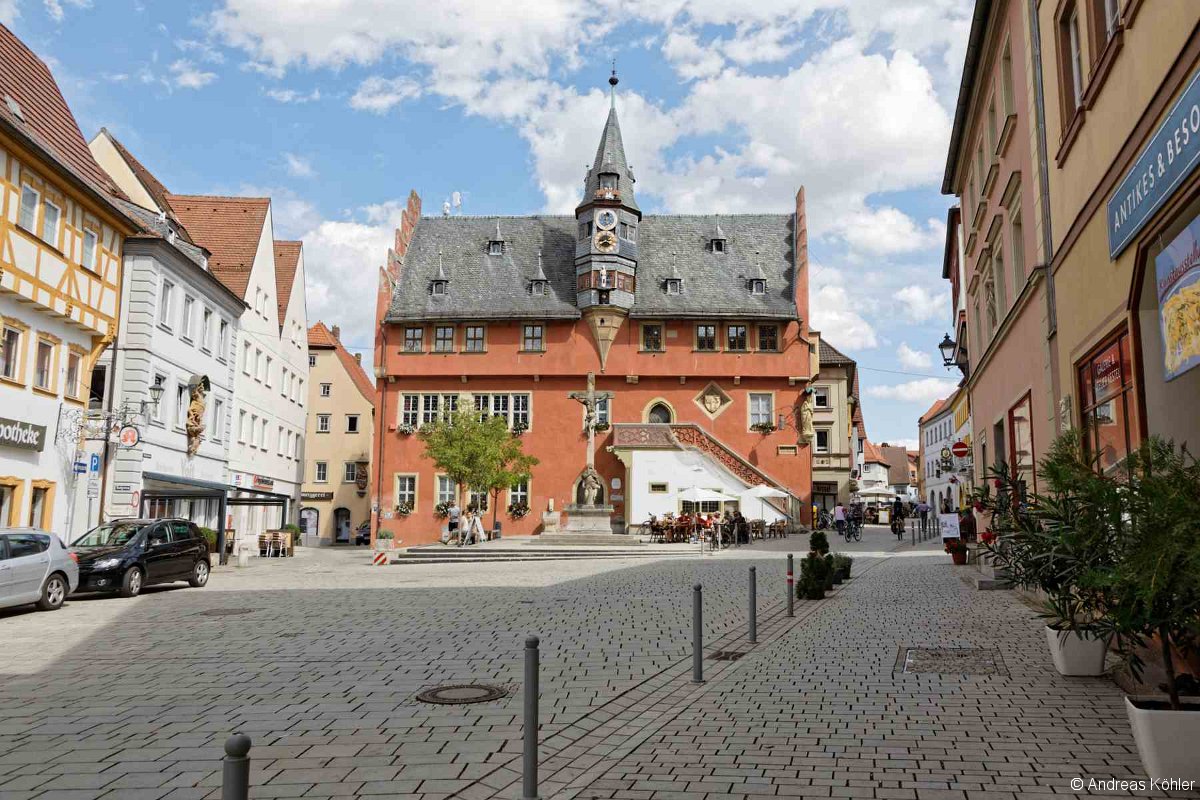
341, 525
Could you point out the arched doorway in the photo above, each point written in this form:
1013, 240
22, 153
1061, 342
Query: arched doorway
341, 525
660, 413
309, 520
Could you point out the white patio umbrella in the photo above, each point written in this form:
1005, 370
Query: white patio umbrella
878, 492
761, 493
694, 494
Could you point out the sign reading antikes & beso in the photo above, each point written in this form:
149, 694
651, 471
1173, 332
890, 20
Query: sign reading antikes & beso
23, 435
1171, 156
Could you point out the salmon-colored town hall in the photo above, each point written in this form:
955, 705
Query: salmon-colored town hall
696, 324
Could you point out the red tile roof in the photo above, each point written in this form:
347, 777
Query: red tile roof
872, 454
287, 261
45, 118
229, 228
321, 338
937, 406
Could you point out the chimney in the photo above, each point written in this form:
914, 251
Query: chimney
337, 333
358, 358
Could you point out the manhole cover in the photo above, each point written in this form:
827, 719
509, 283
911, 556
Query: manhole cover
462, 694
226, 612
951, 661
726, 655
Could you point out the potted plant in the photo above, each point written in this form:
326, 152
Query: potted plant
818, 542
406, 430
841, 565
829, 573
762, 427
385, 540
957, 549
442, 510
1156, 587
1063, 544
296, 533
403, 509
518, 510
601, 426
812, 578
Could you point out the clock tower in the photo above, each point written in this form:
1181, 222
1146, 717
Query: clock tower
606, 252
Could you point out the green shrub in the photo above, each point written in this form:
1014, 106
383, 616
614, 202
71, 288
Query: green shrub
828, 572
385, 535
818, 542
812, 577
841, 563
210, 536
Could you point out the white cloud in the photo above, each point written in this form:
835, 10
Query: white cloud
380, 95
293, 96
923, 390
834, 315
921, 304
298, 166
907, 444
203, 50
913, 359
54, 8
188, 76
9, 11
886, 231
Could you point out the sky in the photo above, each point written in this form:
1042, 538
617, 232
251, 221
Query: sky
337, 108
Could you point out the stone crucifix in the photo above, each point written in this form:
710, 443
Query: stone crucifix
591, 400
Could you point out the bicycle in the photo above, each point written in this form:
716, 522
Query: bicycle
853, 530
824, 520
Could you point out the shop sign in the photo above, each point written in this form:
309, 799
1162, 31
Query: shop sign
128, 436
22, 435
1170, 157
261, 482
307, 496
1177, 279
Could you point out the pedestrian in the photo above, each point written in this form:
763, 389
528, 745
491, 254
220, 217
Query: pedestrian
923, 512
454, 513
839, 518
464, 528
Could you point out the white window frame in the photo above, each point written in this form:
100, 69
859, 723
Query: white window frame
241, 435
818, 393
519, 492
46, 206
27, 217
182, 400
410, 494
222, 340
185, 318
206, 318
445, 490
754, 414
817, 448
166, 299
321, 472
48, 385
312, 360
326, 388
349, 471
88, 255
323, 423
218, 423
1075, 54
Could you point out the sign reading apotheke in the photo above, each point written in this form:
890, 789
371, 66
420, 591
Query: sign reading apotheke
23, 435
1170, 157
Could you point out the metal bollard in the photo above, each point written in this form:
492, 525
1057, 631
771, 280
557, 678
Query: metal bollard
697, 634
791, 589
529, 777
913, 535
235, 778
753, 605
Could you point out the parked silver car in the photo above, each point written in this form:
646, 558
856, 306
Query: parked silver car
35, 567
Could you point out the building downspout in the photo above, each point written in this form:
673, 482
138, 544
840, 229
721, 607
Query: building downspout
381, 427
1035, 33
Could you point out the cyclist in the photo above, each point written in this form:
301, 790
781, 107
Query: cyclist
839, 519
898, 518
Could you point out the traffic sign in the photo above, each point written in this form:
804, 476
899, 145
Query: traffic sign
960, 449
94, 463
80, 467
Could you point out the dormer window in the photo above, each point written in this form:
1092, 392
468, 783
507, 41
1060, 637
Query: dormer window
718, 245
674, 285
496, 247
439, 287
758, 286
538, 287
608, 180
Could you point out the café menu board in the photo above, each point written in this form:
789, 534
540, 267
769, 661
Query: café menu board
1177, 281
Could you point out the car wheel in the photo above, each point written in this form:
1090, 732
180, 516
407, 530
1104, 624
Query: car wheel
131, 584
199, 574
54, 591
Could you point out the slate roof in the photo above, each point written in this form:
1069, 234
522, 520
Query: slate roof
321, 338
229, 228
45, 115
497, 287
832, 356
610, 157
287, 261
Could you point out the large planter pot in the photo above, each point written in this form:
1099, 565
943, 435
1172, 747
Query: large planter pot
1166, 739
1076, 654
959, 557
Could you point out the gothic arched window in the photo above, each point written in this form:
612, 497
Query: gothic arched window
659, 413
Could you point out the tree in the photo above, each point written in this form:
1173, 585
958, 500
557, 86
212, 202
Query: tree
479, 454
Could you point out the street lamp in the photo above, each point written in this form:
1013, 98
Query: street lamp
947, 348
156, 393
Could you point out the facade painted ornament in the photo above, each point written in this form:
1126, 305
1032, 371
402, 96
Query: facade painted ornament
198, 388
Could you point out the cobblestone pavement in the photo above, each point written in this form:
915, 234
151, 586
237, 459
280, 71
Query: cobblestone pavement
113, 698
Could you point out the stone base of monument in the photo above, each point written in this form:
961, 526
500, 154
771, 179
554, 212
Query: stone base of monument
587, 526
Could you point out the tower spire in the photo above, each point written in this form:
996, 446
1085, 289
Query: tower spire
610, 169
613, 80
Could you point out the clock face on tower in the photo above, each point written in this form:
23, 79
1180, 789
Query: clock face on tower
606, 220
606, 241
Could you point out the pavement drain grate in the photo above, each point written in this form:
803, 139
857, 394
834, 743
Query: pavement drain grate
726, 655
950, 661
462, 694
226, 612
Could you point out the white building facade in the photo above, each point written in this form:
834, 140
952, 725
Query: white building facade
937, 434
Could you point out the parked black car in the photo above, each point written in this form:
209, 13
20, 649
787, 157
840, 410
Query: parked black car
127, 554
362, 535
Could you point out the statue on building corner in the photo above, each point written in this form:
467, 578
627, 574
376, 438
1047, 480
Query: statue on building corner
807, 432
198, 388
